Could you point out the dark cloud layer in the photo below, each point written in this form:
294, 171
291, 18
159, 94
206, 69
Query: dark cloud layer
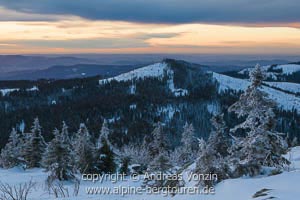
167, 11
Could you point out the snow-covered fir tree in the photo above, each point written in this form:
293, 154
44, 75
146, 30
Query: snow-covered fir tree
84, 150
209, 161
188, 149
262, 146
58, 157
213, 154
104, 133
34, 146
10, 154
160, 158
219, 137
159, 150
105, 156
159, 143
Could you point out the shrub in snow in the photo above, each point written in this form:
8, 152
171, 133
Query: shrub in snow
16, 192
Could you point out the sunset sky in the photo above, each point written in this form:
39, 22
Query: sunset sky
150, 26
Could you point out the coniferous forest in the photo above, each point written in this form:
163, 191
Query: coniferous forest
144, 125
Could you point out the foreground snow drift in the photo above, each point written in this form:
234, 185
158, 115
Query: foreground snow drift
283, 186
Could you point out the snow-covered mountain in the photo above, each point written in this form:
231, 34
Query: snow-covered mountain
157, 70
276, 72
285, 86
284, 93
284, 100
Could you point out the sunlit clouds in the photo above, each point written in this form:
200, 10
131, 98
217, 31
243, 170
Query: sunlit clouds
72, 34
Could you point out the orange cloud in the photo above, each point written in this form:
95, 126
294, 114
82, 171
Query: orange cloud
74, 35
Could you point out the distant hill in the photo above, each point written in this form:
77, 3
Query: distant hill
11, 63
67, 72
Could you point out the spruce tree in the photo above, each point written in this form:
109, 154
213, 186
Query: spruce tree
188, 149
219, 137
209, 161
84, 150
34, 146
105, 154
58, 158
104, 133
10, 154
159, 144
262, 146
159, 150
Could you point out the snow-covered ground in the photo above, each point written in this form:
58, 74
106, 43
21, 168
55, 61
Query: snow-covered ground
286, 69
7, 91
286, 86
284, 186
284, 100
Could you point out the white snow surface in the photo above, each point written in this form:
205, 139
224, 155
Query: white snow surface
8, 90
158, 70
286, 86
284, 186
284, 100
34, 88
155, 70
287, 69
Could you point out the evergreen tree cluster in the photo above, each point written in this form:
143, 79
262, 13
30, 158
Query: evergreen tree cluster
228, 154
64, 156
